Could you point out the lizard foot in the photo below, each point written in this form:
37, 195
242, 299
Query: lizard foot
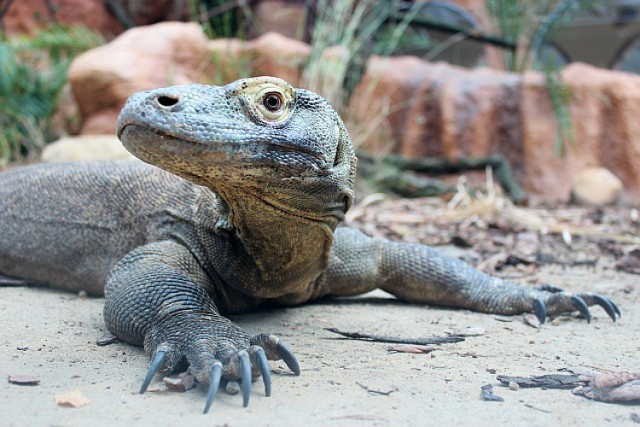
552, 300
217, 358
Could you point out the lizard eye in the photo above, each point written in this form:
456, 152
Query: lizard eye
273, 104
269, 101
273, 101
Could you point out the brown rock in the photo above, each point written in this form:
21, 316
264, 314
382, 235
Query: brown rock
595, 187
276, 55
438, 110
271, 54
26, 17
102, 122
283, 16
164, 54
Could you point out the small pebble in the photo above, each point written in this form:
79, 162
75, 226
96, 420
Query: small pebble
531, 320
181, 382
513, 386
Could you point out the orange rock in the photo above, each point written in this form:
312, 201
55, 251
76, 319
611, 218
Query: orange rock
26, 17
439, 110
284, 16
595, 187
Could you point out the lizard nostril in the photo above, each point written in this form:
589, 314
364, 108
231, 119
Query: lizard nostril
167, 101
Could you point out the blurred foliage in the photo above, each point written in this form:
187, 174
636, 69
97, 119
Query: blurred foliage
355, 29
222, 18
33, 72
344, 26
527, 23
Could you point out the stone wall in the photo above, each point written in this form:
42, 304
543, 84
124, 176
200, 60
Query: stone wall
437, 110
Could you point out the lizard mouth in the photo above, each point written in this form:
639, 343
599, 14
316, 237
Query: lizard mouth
126, 132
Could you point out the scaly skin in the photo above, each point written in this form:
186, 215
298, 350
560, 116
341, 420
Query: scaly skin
265, 175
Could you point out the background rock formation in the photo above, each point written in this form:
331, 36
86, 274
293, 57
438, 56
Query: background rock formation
403, 104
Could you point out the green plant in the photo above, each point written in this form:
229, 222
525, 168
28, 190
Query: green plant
222, 18
344, 34
527, 23
347, 28
33, 72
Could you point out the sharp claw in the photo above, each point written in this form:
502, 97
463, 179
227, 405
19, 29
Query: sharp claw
263, 364
540, 310
245, 376
582, 307
155, 365
615, 307
288, 357
606, 305
214, 384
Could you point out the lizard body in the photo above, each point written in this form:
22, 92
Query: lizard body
257, 178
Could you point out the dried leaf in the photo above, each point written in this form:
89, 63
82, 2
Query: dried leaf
547, 381
107, 340
397, 340
532, 320
612, 387
613, 379
72, 399
413, 349
625, 393
379, 391
24, 380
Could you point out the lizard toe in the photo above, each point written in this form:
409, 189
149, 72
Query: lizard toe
582, 307
540, 310
157, 361
555, 302
245, 376
607, 305
259, 358
243, 366
276, 349
214, 384
164, 360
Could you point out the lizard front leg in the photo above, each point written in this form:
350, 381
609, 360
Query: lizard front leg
156, 297
419, 273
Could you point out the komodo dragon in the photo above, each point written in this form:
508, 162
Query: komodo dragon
257, 178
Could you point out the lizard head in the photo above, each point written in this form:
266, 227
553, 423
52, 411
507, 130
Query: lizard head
254, 137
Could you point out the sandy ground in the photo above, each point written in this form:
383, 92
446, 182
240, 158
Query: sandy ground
52, 335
